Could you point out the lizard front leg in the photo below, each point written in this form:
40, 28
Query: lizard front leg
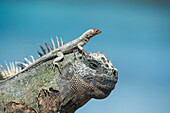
80, 46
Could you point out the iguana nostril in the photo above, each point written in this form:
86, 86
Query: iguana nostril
115, 72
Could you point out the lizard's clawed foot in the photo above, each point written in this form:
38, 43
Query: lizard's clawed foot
58, 65
81, 48
59, 57
84, 51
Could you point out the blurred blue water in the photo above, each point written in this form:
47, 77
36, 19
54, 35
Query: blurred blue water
135, 37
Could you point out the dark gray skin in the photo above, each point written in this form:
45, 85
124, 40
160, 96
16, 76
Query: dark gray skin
45, 87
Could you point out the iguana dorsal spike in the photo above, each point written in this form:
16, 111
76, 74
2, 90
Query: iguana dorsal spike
16, 70
33, 60
9, 71
29, 62
52, 41
5, 71
62, 43
3, 74
40, 54
43, 49
11, 68
58, 42
48, 47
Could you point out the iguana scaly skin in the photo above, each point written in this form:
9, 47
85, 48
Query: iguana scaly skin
48, 88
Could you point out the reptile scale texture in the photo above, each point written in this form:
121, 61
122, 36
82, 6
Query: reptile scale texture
62, 80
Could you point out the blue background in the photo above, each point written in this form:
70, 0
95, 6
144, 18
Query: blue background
135, 37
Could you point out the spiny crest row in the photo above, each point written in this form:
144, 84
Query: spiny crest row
11, 69
14, 68
48, 47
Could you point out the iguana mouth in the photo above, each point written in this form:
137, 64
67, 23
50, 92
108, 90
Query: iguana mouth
102, 83
106, 90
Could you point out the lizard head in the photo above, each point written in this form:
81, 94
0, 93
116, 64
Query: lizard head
88, 35
96, 73
96, 31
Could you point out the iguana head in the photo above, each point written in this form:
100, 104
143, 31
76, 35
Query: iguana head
96, 73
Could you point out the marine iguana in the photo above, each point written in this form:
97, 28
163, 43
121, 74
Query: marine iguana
57, 85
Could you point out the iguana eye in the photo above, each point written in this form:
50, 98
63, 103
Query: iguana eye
94, 65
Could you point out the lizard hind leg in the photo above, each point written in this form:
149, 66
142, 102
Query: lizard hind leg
60, 56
